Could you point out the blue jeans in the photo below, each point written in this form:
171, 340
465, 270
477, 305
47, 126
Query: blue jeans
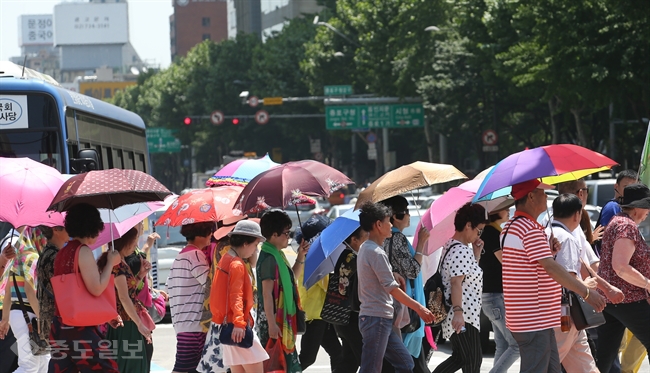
507, 351
379, 341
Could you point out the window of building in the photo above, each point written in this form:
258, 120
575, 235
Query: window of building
206, 37
205, 21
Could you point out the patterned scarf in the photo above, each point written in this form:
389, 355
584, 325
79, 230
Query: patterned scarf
285, 316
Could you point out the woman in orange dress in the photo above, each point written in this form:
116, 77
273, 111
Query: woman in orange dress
232, 297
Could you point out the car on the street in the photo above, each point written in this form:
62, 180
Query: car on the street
338, 210
305, 211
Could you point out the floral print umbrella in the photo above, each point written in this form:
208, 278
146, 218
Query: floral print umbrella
197, 206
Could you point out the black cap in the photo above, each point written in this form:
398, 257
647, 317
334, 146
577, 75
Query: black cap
312, 227
636, 195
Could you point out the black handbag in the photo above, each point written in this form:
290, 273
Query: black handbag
414, 323
584, 316
337, 307
38, 345
301, 321
226, 328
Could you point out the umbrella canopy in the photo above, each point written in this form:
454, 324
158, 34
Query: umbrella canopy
209, 204
324, 252
406, 178
439, 218
240, 171
27, 188
290, 184
122, 219
108, 189
553, 163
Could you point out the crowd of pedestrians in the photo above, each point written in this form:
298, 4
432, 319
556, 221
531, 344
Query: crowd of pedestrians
238, 305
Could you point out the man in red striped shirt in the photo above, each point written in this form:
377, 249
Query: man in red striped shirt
532, 279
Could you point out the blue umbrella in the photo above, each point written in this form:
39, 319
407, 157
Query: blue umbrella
326, 248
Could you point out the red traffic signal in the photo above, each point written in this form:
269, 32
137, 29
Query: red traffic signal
187, 121
235, 121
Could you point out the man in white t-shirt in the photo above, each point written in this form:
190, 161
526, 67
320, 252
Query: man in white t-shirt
573, 346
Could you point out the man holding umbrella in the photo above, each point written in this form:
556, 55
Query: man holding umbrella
532, 281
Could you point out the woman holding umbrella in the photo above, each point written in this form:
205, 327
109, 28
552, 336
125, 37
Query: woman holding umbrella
186, 289
278, 295
134, 330
83, 223
406, 261
463, 280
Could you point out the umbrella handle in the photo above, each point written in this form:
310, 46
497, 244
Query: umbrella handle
298, 214
417, 209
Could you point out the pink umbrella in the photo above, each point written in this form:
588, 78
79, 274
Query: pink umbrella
439, 218
28, 188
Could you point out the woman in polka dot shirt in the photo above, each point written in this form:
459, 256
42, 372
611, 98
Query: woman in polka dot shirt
463, 280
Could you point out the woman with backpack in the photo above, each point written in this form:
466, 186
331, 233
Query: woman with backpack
463, 281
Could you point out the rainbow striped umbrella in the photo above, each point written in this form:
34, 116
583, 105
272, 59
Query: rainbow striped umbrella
240, 172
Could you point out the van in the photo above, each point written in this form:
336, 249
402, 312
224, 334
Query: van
601, 191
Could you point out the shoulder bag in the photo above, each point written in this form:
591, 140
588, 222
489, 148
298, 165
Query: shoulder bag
226, 329
584, 316
414, 323
38, 345
434, 293
337, 307
76, 306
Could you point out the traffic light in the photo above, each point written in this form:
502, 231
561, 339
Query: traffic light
235, 121
187, 121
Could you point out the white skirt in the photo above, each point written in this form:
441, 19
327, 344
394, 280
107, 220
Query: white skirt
234, 355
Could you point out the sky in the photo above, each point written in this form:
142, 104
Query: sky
148, 26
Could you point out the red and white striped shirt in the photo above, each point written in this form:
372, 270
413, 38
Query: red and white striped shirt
532, 297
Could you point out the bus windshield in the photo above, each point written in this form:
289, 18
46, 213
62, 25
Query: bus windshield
40, 140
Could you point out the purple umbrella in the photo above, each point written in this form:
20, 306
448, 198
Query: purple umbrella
291, 184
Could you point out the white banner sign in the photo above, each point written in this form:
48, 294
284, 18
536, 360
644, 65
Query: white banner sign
91, 23
36, 29
13, 112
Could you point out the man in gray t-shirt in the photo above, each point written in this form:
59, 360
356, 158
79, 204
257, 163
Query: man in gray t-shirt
376, 288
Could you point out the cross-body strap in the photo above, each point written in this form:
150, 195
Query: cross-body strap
444, 256
503, 236
22, 304
225, 315
589, 270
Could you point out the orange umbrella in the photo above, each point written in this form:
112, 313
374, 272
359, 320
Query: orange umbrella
407, 178
209, 204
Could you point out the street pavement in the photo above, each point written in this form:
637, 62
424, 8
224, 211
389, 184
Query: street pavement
164, 340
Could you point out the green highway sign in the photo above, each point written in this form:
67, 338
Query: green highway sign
338, 90
374, 116
343, 117
162, 140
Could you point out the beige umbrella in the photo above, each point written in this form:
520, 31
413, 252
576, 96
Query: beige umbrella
407, 178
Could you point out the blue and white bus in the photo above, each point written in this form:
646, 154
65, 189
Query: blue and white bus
67, 130
54, 126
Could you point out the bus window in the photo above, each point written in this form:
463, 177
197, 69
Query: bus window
118, 158
108, 158
105, 154
98, 148
130, 161
139, 162
41, 139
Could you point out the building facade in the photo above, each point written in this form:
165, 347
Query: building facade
194, 21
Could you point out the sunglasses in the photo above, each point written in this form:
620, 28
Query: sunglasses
586, 190
480, 232
401, 215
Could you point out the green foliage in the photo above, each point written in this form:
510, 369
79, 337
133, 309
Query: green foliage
535, 71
